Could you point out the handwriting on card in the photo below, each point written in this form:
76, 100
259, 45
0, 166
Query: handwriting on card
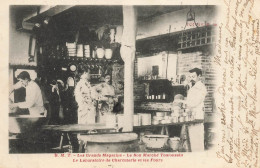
237, 51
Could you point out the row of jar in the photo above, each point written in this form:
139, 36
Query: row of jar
81, 50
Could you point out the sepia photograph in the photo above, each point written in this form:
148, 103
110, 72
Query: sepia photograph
130, 84
112, 78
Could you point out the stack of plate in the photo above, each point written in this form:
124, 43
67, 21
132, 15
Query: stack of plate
79, 50
87, 51
71, 49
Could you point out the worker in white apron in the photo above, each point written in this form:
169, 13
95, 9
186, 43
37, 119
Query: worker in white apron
195, 102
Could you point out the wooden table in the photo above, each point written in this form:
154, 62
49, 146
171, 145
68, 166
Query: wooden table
66, 130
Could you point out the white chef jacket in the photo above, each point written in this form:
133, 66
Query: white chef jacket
33, 100
195, 99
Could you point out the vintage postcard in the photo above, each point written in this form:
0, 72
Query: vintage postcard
96, 84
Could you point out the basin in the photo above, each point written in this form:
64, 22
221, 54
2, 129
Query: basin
116, 142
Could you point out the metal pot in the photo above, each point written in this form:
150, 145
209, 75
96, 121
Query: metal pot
155, 141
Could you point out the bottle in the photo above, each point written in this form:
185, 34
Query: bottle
163, 96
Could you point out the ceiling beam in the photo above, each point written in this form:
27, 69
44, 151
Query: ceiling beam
46, 10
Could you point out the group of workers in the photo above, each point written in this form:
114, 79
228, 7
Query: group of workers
91, 103
95, 101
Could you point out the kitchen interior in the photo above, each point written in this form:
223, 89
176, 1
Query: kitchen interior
146, 50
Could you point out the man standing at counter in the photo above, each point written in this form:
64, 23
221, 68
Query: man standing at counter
195, 102
33, 101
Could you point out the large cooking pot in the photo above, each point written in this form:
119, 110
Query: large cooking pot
117, 142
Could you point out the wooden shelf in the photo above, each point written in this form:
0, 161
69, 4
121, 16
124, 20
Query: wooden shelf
159, 36
157, 100
92, 60
152, 80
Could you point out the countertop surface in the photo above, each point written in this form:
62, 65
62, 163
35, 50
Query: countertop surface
169, 124
77, 127
90, 127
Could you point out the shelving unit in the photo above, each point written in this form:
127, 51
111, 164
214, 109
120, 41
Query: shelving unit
163, 86
87, 60
57, 57
180, 40
196, 37
158, 90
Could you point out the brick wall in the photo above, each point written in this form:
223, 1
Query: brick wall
188, 61
209, 75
